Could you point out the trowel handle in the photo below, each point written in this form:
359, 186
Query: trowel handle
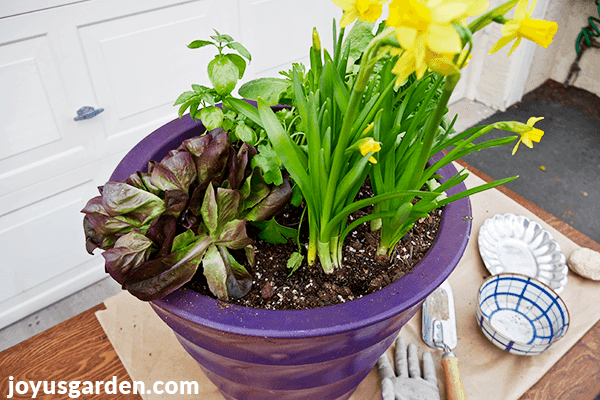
454, 386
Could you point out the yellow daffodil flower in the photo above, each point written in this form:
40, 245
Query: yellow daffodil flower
365, 10
424, 30
537, 30
368, 145
534, 135
444, 63
441, 63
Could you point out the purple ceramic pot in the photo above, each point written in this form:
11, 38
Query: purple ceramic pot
321, 353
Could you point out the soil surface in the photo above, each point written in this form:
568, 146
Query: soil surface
362, 272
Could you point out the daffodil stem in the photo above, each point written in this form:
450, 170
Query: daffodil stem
390, 238
382, 251
432, 127
311, 253
490, 16
325, 256
367, 64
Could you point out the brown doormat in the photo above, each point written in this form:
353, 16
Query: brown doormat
561, 174
569, 96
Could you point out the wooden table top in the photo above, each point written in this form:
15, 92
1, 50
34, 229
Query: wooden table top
79, 350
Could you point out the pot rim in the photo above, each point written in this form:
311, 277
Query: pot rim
409, 291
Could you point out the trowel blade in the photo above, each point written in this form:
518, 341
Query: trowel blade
439, 319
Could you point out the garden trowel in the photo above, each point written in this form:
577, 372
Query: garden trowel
439, 332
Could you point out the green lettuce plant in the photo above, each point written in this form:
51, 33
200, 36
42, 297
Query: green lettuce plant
191, 208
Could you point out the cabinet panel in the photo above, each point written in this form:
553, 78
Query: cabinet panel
23, 130
42, 240
139, 64
10, 8
35, 139
287, 37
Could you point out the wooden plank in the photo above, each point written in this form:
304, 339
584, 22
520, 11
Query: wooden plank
575, 376
74, 350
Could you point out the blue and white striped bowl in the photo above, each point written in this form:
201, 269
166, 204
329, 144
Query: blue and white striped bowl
520, 314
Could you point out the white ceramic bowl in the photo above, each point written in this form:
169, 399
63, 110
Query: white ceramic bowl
514, 243
520, 314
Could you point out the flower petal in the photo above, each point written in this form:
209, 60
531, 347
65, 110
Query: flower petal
531, 121
421, 70
521, 10
409, 13
531, 8
515, 45
527, 141
404, 67
536, 135
478, 7
420, 51
344, 4
348, 17
443, 39
368, 10
510, 28
504, 40
440, 64
449, 10
406, 37
538, 31
516, 147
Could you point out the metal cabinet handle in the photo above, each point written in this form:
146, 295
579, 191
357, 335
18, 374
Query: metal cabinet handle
87, 113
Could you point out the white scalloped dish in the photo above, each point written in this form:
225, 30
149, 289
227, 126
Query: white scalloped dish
515, 244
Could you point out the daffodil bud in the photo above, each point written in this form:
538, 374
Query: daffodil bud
366, 146
528, 133
316, 40
368, 129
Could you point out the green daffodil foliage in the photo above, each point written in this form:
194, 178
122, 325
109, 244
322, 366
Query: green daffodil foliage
188, 210
376, 107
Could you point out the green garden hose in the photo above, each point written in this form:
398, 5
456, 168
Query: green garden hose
588, 32
586, 35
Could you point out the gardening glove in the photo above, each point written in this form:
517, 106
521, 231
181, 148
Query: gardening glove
408, 383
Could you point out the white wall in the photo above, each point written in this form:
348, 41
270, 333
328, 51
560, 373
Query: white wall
555, 61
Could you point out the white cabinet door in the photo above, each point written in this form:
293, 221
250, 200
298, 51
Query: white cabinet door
130, 58
44, 168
